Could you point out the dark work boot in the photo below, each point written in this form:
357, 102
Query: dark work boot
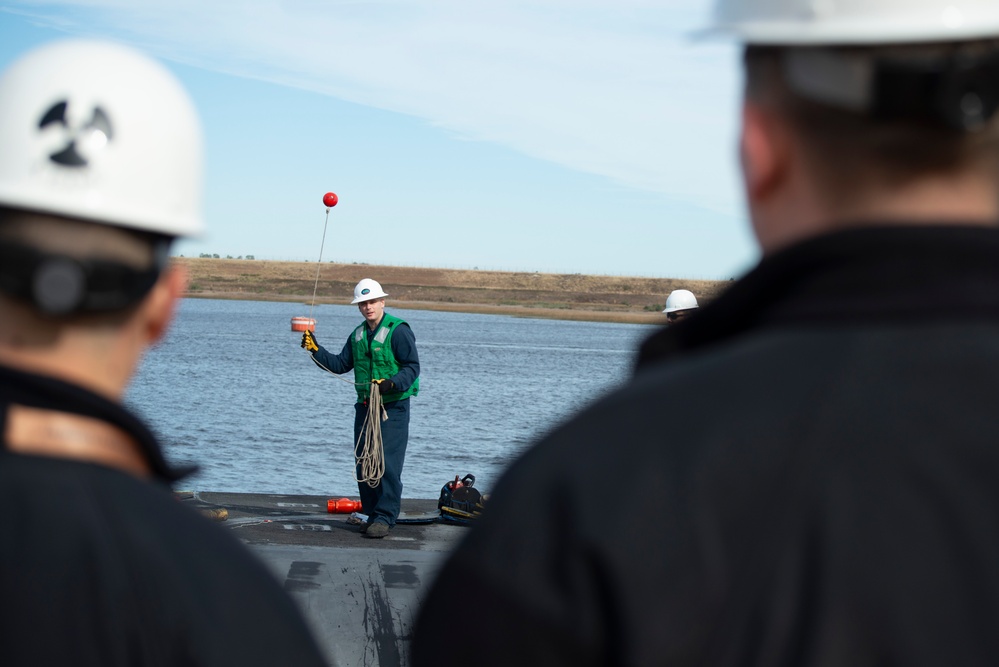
377, 530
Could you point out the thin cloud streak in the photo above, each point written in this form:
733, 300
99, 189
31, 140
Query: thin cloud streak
610, 88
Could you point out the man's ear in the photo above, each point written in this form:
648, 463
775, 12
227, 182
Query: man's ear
162, 301
763, 151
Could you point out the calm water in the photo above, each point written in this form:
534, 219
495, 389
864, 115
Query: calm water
230, 390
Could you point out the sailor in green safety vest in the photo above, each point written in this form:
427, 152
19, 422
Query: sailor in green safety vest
382, 349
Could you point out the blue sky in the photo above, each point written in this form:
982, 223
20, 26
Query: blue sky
589, 136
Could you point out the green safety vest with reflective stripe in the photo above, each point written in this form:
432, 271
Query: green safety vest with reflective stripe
380, 363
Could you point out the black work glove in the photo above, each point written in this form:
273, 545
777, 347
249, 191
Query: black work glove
309, 341
385, 386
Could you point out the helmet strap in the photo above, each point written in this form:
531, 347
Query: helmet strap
959, 91
59, 286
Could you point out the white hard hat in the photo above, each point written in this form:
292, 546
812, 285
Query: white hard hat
680, 299
842, 22
99, 132
368, 289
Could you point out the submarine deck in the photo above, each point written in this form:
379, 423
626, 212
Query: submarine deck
359, 595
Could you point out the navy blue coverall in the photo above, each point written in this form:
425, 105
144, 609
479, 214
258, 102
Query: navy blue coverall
382, 503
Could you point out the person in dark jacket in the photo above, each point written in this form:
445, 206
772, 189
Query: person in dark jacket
381, 350
804, 473
99, 564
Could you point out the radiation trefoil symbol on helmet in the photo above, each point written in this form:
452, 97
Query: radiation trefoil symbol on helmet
82, 141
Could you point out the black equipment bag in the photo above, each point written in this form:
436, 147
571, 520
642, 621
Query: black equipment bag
460, 497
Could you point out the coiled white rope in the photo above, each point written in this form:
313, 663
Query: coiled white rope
370, 456
371, 459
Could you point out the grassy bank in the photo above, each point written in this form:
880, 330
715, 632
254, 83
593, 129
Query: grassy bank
546, 295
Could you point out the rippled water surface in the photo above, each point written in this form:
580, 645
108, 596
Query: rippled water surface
230, 390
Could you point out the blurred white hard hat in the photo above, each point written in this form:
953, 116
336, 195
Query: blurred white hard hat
368, 289
99, 132
842, 22
680, 299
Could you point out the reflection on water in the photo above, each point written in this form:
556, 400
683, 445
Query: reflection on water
231, 390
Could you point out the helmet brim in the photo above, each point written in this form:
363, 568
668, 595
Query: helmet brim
368, 297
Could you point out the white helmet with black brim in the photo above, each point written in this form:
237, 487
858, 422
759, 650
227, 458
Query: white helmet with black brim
367, 290
99, 132
824, 60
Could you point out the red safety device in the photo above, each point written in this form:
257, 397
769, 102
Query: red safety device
303, 324
343, 506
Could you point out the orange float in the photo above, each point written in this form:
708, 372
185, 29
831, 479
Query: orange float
343, 506
303, 324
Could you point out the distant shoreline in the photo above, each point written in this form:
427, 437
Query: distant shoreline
578, 297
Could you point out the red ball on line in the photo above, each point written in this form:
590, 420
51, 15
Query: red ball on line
330, 199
